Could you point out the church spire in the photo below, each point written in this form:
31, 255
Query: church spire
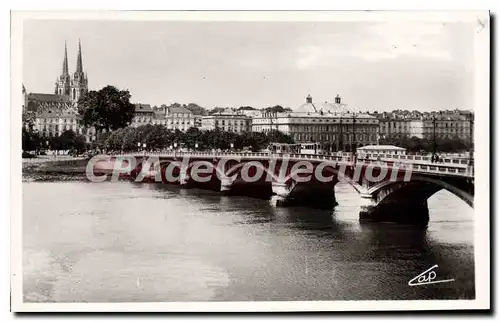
79, 82
65, 61
79, 64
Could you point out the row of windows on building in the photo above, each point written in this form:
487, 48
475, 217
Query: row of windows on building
57, 120
327, 128
301, 137
465, 131
232, 122
321, 128
181, 115
319, 120
417, 125
164, 122
232, 129
56, 127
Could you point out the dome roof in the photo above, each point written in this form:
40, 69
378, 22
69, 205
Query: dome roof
307, 107
330, 107
334, 108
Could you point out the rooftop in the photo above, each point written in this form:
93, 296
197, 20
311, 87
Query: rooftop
179, 109
145, 108
57, 113
48, 97
307, 107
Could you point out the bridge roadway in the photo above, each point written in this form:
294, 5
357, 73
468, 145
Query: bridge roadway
403, 199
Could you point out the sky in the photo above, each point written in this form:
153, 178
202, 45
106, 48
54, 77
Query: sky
374, 66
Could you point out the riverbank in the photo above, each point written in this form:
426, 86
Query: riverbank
50, 168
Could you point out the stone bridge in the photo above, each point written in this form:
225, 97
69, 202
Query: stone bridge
391, 188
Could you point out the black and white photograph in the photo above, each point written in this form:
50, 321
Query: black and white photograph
250, 161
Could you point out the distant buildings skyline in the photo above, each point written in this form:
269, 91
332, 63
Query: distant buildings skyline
222, 64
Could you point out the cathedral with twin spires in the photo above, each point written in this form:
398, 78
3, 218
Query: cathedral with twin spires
52, 114
73, 86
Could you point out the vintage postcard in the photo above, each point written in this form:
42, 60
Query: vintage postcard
250, 161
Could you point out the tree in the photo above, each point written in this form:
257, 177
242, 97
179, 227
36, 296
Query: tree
101, 139
112, 140
277, 109
129, 139
28, 121
30, 140
279, 137
80, 144
216, 110
158, 137
192, 136
68, 140
108, 108
196, 109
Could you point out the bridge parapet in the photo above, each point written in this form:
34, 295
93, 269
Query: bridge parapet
458, 161
455, 167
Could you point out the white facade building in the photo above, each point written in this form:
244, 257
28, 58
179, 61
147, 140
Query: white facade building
227, 120
173, 117
330, 124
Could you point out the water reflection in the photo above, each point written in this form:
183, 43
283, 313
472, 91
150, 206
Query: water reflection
156, 242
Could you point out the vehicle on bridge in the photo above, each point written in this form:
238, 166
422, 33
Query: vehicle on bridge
381, 149
298, 148
311, 148
284, 148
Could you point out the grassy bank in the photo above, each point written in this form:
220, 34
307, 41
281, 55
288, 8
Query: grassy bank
46, 169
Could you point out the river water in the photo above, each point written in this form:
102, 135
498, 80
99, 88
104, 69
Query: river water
128, 242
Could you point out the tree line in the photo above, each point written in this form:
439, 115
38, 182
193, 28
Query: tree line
68, 140
110, 111
159, 137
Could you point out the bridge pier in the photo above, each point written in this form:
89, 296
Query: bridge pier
316, 195
367, 207
184, 178
225, 184
410, 211
281, 193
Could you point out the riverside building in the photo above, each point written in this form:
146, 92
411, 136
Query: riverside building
332, 125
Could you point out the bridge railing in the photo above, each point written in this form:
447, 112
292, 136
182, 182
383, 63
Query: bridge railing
415, 159
467, 172
419, 163
334, 156
435, 168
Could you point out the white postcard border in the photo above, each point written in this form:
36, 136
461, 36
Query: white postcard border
481, 142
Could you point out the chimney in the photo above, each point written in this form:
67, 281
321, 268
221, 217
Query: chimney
337, 99
309, 99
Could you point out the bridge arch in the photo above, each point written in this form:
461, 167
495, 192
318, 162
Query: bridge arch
420, 187
265, 170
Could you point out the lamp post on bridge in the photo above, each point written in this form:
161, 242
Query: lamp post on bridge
471, 141
434, 144
341, 135
389, 129
353, 143
340, 105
